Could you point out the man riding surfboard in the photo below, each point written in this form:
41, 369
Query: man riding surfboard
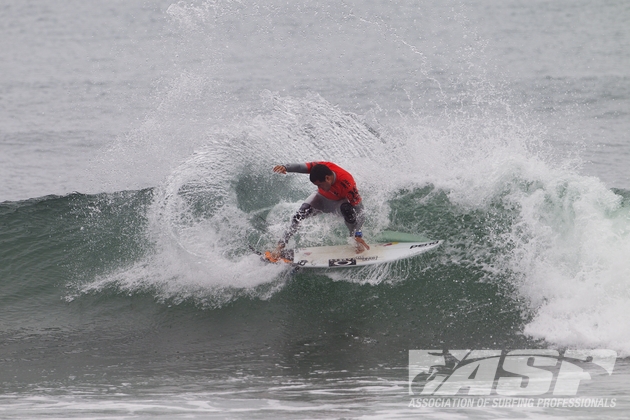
336, 193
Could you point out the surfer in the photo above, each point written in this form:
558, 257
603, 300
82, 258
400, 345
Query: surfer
336, 193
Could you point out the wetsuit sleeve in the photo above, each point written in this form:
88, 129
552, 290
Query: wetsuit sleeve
297, 167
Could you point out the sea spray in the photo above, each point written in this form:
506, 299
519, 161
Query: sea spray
512, 213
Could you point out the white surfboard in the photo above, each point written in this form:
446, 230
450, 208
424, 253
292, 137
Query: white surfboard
346, 256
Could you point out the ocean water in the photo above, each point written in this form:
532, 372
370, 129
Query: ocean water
136, 146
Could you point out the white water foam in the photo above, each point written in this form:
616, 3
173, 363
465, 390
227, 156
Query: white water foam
564, 250
568, 244
573, 243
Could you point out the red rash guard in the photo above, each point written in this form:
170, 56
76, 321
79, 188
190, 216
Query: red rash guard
343, 187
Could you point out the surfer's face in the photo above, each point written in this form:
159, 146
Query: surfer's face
326, 184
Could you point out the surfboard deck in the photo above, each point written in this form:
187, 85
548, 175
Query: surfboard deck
345, 255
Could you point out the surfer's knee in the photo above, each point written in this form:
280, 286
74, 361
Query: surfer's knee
349, 213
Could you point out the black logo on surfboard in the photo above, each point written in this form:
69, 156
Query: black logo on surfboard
342, 262
423, 245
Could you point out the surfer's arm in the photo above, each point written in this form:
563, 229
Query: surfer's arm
301, 168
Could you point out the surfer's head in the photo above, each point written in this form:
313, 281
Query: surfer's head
322, 176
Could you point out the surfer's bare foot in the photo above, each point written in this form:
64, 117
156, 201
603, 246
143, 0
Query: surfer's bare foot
361, 245
276, 252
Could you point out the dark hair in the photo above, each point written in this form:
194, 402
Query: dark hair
319, 172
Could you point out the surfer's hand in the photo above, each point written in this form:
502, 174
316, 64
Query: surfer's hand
361, 244
280, 169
